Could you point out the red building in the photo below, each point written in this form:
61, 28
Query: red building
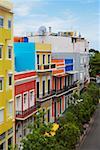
25, 103
58, 84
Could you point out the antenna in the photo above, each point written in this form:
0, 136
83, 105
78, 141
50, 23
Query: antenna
42, 31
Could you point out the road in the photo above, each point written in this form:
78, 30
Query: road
92, 141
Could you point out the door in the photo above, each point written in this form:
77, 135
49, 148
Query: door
48, 86
43, 88
37, 89
55, 84
48, 115
55, 113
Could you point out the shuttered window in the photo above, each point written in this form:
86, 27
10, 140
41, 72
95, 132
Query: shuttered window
1, 115
10, 108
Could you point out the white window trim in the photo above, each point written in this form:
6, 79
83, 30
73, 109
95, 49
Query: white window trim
10, 73
23, 96
33, 95
11, 52
2, 108
11, 116
19, 95
1, 46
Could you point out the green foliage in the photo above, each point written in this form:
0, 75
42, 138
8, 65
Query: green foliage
68, 135
95, 64
71, 124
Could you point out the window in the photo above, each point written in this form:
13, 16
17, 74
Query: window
31, 98
43, 59
3, 146
10, 108
1, 115
37, 59
9, 24
10, 79
18, 101
48, 115
24, 132
1, 84
0, 52
37, 89
60, 83
1, 21
9, 52
43, 115
60, 106
48, 59
48, 86
25, 98
10, 142
43, 88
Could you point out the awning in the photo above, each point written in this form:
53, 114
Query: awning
72, 72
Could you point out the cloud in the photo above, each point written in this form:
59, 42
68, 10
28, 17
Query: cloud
25, 8
34, 21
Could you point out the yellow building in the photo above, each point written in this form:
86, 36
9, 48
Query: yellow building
44, 69
6, 75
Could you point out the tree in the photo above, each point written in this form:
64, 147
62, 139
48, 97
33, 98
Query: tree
68, 135
36, 139
95, 64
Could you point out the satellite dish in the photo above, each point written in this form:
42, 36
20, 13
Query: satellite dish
42, 31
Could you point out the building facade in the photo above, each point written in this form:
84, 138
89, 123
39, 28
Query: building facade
66, 45
25, 103
6, 76
44, 79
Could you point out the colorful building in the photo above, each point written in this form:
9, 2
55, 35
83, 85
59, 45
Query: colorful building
58, 85
44, 80
6, 75
25, 103
63, 85
25, 56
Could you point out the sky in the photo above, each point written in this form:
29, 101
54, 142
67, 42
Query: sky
62, 15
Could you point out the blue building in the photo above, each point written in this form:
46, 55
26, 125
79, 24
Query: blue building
24, 56
69, 65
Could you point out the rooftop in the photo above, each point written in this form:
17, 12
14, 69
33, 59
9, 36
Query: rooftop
6, 5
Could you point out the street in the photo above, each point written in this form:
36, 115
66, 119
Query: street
92, 141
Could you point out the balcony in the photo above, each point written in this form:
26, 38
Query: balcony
46, 96
22, 115
46, 67
5, 34
65, 89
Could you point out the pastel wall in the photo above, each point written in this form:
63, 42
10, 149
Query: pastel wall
24, 56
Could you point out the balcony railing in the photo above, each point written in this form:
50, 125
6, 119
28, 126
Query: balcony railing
66, 88
45, 96
27, 112
45, 67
